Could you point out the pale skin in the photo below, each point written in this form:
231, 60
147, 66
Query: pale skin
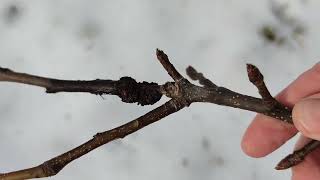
265, 134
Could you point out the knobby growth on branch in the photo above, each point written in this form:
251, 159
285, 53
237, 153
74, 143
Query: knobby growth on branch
181, 92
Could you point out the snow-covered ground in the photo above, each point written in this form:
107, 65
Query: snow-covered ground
83, 39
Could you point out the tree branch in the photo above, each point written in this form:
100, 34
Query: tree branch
126, 88
298, 156
181, 92
55, 165
164, 60
256, 78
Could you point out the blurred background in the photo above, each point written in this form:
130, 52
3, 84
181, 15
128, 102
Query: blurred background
80, 39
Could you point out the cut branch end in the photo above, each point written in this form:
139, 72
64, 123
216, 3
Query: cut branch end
164, 60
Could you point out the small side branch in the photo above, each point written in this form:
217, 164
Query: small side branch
164, 60
278, 110
256, 78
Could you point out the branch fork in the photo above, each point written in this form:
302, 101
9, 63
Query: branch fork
181, 92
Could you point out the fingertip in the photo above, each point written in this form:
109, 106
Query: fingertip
250, 148
264, 135
302, 87
297, 115
250, 141
306, 117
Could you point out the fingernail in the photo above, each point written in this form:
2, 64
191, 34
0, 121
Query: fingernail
306, 117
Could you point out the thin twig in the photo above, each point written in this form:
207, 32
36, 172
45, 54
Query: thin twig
298, 156
55, 165
256, 78
164, 60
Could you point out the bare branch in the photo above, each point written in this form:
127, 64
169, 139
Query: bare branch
11, 76
298, 156
181, 92
276, 107
256, 78
164, 60
55, 165
126, 88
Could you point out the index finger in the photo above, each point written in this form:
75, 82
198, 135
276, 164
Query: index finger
266, 134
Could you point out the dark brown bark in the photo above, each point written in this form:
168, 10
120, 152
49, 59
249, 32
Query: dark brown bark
55, 165
181, 92
126, 88
298, 156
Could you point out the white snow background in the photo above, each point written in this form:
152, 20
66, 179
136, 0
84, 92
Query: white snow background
81, 39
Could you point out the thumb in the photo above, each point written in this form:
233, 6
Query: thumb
306, 117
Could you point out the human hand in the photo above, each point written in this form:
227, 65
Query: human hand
265, 134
